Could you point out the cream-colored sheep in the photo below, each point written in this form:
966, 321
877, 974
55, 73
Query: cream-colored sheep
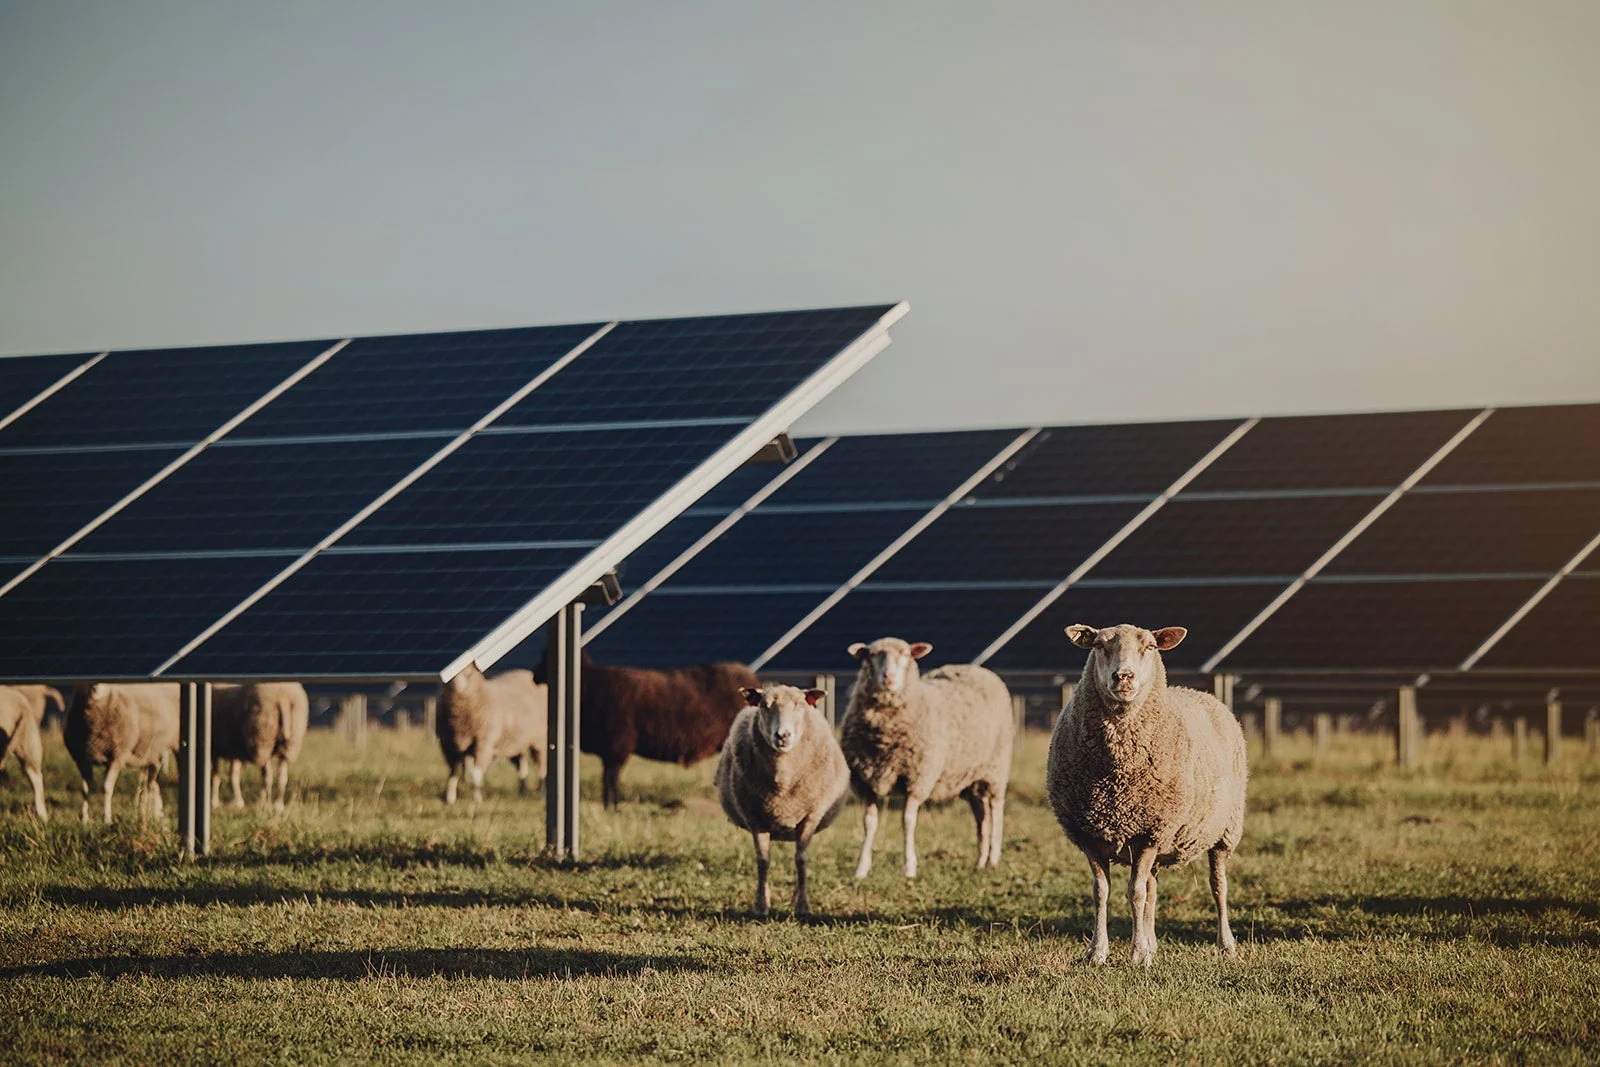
936, 736
19, 733
40, 697
262, 724
119, 726
781, 775
484, 719
1145, 774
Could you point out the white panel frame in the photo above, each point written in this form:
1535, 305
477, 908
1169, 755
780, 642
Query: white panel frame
51, 390
1521, 613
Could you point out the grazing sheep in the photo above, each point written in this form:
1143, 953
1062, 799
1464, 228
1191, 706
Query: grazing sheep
781, 775
19, 733
679, 716
936, 736
40, 697
259, 724
122, 726
1145, 774
483, 719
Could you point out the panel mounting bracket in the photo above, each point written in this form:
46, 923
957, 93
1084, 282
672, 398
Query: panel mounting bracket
780, 450
605, 591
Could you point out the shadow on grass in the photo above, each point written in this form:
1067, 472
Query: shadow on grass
403, 855
356, 966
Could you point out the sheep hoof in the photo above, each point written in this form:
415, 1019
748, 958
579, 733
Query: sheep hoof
1229, 950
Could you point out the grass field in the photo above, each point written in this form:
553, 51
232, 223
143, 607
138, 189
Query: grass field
1446, 916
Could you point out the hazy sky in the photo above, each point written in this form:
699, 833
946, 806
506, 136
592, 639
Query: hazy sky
1098, 211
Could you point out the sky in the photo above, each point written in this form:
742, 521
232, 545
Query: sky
1098, 212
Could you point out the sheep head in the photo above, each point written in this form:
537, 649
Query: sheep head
889, 664
782, 712
1125, 661
466, 680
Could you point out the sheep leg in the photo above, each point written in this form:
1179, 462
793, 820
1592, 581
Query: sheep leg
1100, 947
266, 785
997, 818
86, 784
32, 756
520, 760
1149, 917
235, 772
909, 820
451, 782
1219, 893
763, 857
612, 787
1144, 861
216, 785
802, 904
283, 785
475, 772
36, 779
980, 814
152, 788
869, 834
108, 787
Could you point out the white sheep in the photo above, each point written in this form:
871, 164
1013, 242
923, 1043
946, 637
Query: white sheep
484, 719
936, 736
1145, 774
261, 724
19, 733
122, 726
781, 775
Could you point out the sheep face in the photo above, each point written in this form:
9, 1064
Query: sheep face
1124, 660
782, 712
467, 680
889, 662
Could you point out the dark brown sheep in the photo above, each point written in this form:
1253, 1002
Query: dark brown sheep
677, 716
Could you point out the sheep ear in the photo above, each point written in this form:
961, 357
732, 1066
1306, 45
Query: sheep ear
814, 696
858, 650
751, 696
1081, 635
1170, 637
920, 649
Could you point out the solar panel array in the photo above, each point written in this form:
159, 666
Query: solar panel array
373, 507
1421, 541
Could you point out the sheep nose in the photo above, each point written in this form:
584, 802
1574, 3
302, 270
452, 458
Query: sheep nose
1124, 675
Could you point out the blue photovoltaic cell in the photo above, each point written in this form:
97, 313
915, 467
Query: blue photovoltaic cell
1211, 613
1039, 543
1331, 451
668, 631
959, 624
663, 548
380, 613
745, 482
24, 377
1561, 632
46, 497
1142, 459
280, 496
161, 395
1381, 625
729, 366
1207, 538
434, 381
811, 548
576, 485
117, 618
921, 467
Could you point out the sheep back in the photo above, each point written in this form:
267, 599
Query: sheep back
136, 725
258, 722
765, 791
493, 718
678, 716
19, 730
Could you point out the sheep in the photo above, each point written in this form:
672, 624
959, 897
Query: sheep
122, 726
19, 732
936, 736
484, 719
781, 775
680, 715
1145, 774
258, 724
41, 697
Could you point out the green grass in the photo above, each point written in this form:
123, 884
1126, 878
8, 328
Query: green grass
1445, 916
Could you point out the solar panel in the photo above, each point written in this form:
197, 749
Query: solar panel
176, 395
795, 549
45, 497
1523, 445
877, 468
668, 630
415, 383
24, 377
1331, 451
1382, 625
1519, 531
1560, 633
1207, 538
1123, 460
1212, 613
1038, 544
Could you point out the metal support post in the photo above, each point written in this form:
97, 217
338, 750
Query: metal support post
1408, 728
1272, 726
1552, 732
1222, 688
1322, 734
1519, 739
829, 685
563, 659
194, 768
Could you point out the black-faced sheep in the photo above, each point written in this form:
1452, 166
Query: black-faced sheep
484, 719
1145, 774
261, 724
117, 726
781, 775
677, 716
944, 734
20, 717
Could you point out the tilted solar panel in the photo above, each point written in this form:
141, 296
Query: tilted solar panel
23, 378
899, 468
1116, 460
1560, 633
1518, 446
1036, 544
667, 629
